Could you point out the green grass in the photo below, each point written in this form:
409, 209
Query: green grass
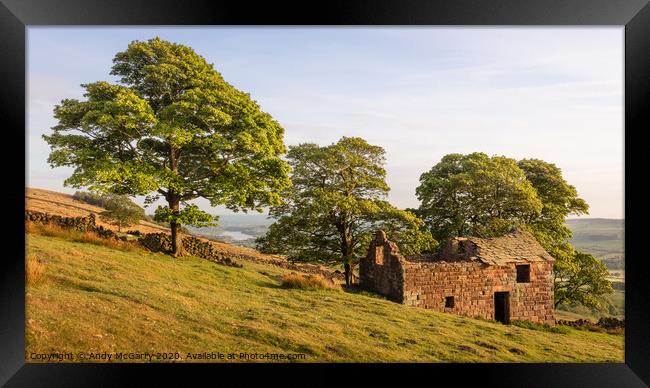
94, 298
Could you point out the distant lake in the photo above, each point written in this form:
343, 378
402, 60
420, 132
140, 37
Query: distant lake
235, 235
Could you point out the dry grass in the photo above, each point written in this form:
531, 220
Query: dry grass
51, 230
34, 270
308, 282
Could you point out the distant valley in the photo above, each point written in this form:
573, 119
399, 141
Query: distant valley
603, 238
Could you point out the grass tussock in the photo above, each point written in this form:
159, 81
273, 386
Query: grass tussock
52, 230
34, 270
541, 327
308, 282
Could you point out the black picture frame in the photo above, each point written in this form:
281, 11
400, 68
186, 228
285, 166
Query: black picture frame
17, 15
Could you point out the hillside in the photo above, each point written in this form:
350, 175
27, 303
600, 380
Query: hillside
55, 203
96, 299
603, 238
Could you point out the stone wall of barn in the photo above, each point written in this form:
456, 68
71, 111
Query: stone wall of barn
382, 269
473, 284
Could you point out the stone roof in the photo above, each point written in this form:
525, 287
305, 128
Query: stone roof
518, 246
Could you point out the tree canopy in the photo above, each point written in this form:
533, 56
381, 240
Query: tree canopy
476, 195
486, 196
172, 127
336, 204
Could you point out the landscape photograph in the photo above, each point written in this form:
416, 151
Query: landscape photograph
324, 194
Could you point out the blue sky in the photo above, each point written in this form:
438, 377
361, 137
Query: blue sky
549, 93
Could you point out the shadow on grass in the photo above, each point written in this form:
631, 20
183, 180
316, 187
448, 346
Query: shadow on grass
356, 289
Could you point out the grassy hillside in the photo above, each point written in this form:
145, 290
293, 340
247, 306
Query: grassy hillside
603, 238
94, 298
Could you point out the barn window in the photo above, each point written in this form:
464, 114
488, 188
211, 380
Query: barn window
449, 301
523, 273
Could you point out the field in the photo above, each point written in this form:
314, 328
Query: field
96, 299
603, 238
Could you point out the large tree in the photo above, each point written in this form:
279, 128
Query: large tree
486, 196
172, 127
336, 204
475, 195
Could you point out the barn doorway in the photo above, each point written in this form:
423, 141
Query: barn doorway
502, 307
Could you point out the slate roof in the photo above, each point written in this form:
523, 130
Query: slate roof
518, 246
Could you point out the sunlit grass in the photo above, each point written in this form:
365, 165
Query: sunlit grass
96, 298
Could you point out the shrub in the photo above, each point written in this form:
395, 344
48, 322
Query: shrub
51, 230
89, 198
121, 211
33, 270
540, 327
308, 282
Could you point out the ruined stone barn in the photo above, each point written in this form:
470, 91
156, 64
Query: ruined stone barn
502, 278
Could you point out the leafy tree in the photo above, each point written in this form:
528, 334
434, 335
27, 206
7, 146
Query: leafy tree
173, 128
559, 200
120, 211
581, 279
336, 204
482, 196
475, 195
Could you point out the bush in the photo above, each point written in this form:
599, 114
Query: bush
540, 327
89, 198
33, 270
308, 282
121, 211
51, 230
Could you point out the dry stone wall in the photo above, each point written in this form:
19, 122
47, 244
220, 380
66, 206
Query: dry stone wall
83, 224
78, 223
161, 242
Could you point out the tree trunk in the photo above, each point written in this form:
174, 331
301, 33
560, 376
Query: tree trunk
174, 204
348, 273
177, 241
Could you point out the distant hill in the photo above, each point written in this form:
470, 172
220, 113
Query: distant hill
602, 237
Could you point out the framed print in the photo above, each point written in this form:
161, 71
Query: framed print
375, 190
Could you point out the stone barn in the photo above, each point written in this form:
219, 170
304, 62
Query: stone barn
503, 278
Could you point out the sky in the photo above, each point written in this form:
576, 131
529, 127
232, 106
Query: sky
550, 93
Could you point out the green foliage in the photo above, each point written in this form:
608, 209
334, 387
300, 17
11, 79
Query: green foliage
172, 127
90, 198
487, 196
476, 195
559, 199
120, 211
189, 215
582, 279
336, 204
